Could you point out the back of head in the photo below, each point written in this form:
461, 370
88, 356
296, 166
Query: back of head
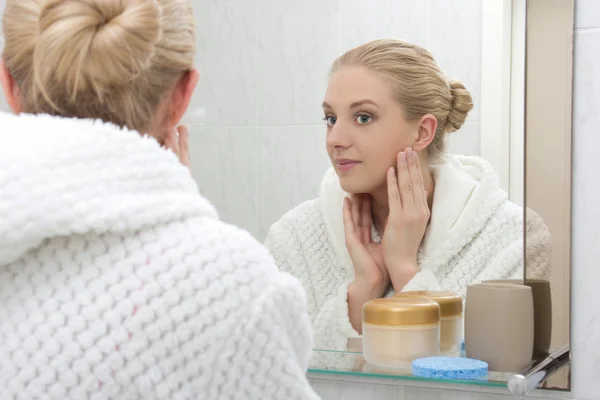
107, 59
417, 83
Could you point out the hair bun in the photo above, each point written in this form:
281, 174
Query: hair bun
462, 104
106, 43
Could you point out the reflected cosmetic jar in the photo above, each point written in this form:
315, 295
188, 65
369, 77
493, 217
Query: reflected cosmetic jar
451, 318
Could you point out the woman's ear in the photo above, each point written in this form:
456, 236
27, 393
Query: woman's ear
11, 90
182, 95
425, 132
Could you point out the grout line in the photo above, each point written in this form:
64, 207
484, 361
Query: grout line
216, 127
259, 151
340, 27
587, 29
428, 24
257, 62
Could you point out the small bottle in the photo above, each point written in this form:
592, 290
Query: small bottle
397, 331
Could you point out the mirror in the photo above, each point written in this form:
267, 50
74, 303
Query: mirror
548, 127
260, 104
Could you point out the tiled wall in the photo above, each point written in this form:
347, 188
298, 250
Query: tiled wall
257, 130
585, 339
257, 143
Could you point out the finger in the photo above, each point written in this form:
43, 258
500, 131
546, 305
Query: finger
416, 179
393, 192
422, 186
404, 184
171, 142
184, 144
356, 204
349, 228
366, 219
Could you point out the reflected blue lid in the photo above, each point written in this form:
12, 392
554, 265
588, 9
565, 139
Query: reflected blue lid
450, 368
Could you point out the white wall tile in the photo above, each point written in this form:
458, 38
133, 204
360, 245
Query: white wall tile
466, 140
334, 390
587, 13
586, 213
298, 42
422, 393
455, 43
292, 162
227, 56
363, 21
225, 165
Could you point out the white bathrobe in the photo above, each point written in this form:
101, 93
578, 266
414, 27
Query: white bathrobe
118, 281
475, 234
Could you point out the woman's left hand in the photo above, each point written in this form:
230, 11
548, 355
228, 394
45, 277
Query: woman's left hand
178, 140
407, 221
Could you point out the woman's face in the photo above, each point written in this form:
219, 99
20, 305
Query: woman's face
366, 129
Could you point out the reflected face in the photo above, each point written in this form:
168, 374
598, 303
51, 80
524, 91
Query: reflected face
366, 128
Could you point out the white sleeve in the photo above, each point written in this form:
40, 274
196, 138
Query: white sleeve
330, 319
538, 251
508, 263
331, 322
423, 280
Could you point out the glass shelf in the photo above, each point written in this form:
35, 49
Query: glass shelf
352, 363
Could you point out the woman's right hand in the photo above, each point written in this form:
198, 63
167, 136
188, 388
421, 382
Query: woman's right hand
178, 141
371, 277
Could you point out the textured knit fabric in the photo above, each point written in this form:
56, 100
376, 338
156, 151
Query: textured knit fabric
118, 281
475, 234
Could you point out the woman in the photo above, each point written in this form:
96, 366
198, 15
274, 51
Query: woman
117, 280
443, 220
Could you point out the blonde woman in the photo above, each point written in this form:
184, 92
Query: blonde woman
117, 279
395, 212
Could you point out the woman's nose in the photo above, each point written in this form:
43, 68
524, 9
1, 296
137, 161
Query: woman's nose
338, 136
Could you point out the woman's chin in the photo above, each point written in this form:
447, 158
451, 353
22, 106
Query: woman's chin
352, 186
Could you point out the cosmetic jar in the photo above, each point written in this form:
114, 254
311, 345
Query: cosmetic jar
451, 318
397, 331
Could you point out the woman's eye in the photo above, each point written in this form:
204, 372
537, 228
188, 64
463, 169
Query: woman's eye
330, 119
363, 119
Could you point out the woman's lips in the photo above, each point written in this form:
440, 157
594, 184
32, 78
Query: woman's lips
346, 165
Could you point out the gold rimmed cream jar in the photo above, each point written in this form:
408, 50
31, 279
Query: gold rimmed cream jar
451, 318
398, 330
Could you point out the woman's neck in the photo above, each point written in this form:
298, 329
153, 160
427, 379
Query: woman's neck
380, 204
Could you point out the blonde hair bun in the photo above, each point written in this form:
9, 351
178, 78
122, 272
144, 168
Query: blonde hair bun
81, 43
462, 104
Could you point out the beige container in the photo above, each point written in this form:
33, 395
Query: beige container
397, 331
451, 318
542, 311
499, 325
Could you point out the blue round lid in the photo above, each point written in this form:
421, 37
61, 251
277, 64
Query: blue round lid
450, 368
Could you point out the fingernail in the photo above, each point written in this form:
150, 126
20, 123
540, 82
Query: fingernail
403, 157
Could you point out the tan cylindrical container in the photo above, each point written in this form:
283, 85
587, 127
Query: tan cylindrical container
451, 318
397, 331
542, 311
499, 325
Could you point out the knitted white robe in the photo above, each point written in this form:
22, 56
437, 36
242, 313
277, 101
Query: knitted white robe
475, 234
118, 281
